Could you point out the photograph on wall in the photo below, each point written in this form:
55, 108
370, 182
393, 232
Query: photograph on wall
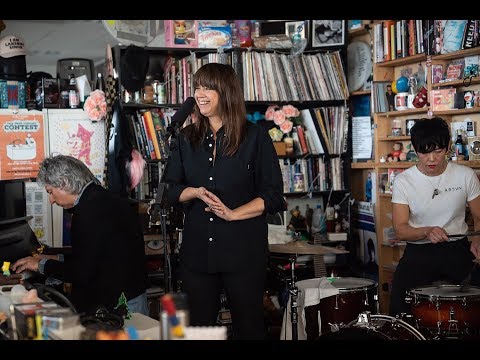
38, 206
21, 144
296, 27
73, 133
299, 215
326, 33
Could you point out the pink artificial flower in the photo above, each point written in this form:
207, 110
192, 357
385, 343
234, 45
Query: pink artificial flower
270, 111
286, 126
95, 106
290, 111
279, 117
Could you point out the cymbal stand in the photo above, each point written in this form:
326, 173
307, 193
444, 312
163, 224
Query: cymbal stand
293, 291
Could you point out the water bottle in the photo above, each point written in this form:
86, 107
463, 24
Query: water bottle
317, 219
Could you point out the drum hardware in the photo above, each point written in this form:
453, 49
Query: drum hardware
295, 248
375, 327
333, 312
293, 291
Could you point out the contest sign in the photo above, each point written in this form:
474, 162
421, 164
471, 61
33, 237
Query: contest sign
21, 145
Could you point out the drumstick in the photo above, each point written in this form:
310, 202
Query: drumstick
473, 233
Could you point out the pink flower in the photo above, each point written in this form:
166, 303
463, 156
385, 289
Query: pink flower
279, 117
270, 111
290, 111
286, 126
95, 106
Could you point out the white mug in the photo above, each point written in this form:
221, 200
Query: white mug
401, 101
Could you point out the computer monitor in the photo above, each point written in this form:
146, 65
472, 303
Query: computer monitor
13, 201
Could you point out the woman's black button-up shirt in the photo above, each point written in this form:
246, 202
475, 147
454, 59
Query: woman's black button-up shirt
211, 244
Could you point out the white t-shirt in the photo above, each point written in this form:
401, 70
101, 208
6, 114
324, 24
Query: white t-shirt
456, 186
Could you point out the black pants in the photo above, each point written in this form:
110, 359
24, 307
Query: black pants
244, 290
423, 264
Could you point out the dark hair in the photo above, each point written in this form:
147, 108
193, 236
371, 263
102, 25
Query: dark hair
231, 105
430, 134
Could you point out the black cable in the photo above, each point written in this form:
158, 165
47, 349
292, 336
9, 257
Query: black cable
44, 291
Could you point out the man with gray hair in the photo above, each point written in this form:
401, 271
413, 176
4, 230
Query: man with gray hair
107, 257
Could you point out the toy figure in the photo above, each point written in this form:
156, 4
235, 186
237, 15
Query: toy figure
390, 98
397, 152
180, 32
6, 268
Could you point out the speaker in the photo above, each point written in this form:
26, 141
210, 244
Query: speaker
77, 67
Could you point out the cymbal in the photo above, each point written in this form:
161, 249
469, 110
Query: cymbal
301, 247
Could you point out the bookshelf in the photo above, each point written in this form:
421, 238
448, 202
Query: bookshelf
384, 137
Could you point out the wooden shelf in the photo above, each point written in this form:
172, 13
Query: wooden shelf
404, 112
457, 54
363, 165
452, 112
394, 138
471, 163
456, 83
403, 61
385, 195
360, 93
397, 165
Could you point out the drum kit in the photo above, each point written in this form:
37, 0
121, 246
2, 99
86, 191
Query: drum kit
438, 312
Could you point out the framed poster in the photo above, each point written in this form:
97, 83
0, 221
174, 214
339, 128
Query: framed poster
327, 33
21, 144
292, 27
71, 132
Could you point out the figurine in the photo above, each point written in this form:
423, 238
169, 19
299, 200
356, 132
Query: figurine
390, 98
397, 153
6, 268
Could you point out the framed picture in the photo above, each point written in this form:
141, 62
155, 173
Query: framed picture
327, 33
409, 125
291, 27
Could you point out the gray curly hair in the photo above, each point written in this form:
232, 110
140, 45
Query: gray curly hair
66, 173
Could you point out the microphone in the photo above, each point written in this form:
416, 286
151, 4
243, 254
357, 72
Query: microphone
182, 114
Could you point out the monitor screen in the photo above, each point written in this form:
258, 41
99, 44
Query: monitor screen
12, 199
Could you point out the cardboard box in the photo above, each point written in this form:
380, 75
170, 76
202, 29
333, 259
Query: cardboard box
181, 33
280, 148
214, 36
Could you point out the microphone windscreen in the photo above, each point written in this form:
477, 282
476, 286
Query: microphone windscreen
183, 112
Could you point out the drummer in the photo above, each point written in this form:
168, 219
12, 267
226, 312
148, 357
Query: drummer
429, 202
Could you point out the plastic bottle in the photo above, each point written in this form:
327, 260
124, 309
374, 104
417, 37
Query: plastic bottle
317, 219
100, 84
73, 96
459, 144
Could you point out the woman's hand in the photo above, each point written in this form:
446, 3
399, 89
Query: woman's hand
436, 234
475, 247
216, 206
27, 263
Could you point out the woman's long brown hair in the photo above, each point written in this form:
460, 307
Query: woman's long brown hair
223, 79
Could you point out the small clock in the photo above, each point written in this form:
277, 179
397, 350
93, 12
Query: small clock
474, 147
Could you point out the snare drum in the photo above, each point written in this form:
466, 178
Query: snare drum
445, 310
374, 327
355, 296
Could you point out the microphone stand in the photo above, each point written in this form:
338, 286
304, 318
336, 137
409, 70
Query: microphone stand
158, 209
